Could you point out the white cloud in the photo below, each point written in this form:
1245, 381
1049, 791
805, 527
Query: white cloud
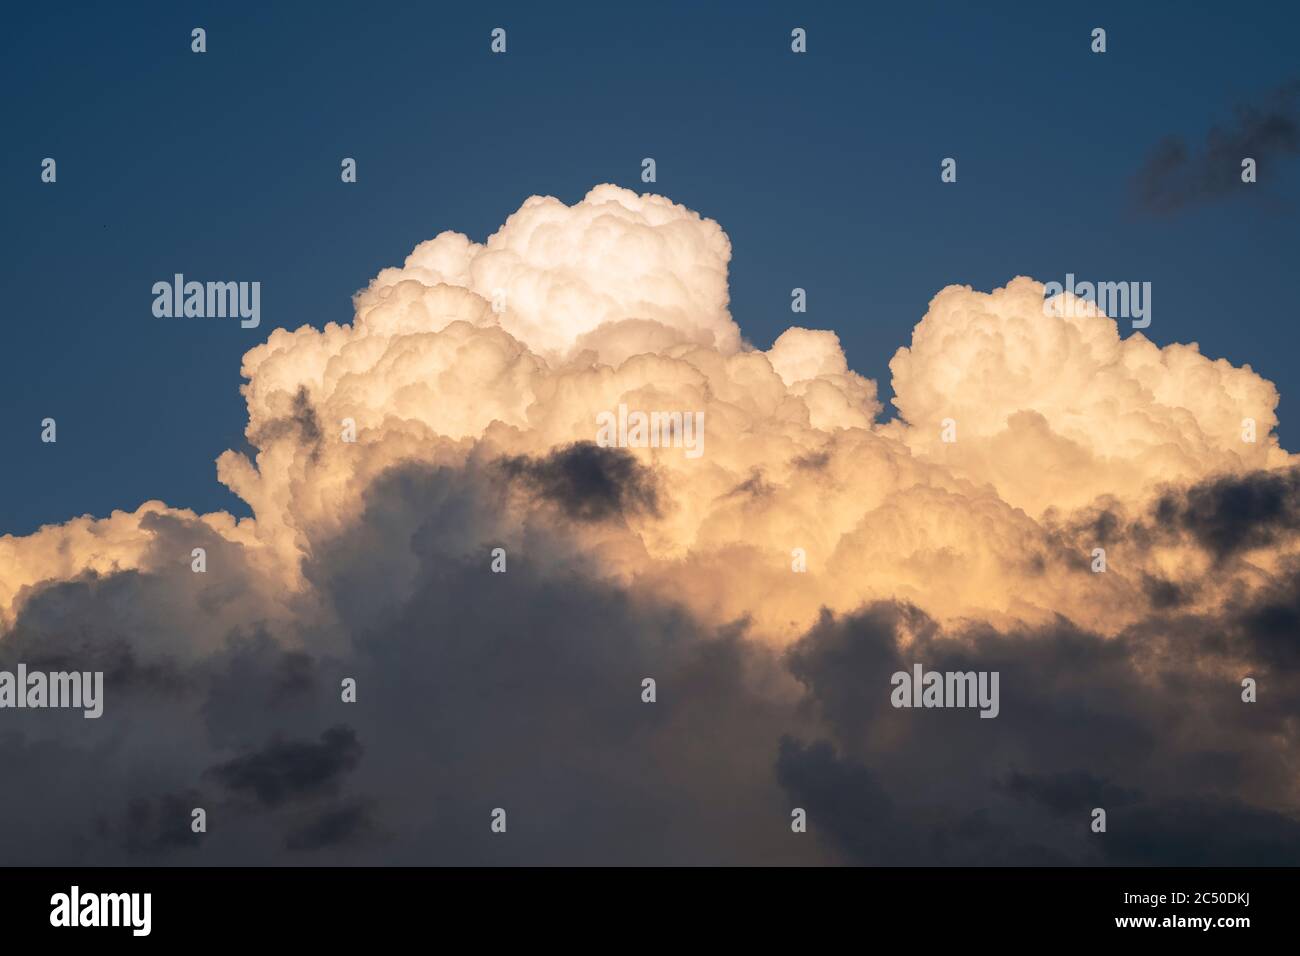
623, 299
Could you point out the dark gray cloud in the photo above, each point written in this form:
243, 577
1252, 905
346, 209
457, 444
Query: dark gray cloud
1203, 832
1136, 724
286, 770
150, 826
333, 826
587, 481
1065, 793
1163, 594
523, 691
1176, 175
1228, 517
1235, 513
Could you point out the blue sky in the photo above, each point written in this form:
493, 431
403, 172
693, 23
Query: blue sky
823, 169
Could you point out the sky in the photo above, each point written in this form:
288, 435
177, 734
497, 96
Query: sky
532, 525
823, 169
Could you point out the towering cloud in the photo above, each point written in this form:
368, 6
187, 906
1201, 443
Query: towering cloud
770, 586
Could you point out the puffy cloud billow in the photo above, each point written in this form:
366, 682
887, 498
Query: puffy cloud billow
471, 380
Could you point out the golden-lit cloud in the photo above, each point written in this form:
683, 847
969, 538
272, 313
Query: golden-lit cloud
514, 347
1097, 530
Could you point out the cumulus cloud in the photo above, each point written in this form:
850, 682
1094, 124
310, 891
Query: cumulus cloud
1059, 410
616, 273
457, 414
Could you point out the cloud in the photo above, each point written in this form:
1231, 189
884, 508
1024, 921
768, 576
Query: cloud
769, 587
289, 769
614, 267
1065, 793
1236, 513
1058, 410
150, 826
1175, 176
335, 826
1139, 725
587, 481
